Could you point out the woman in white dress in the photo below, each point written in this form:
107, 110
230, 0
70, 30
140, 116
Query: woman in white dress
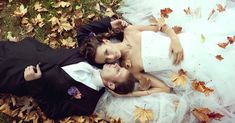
146, 53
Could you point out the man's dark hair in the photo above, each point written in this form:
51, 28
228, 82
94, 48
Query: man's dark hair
127, 86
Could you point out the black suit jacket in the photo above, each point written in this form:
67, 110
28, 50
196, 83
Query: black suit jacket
50, 91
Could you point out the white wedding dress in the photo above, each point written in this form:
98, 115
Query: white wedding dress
199, 40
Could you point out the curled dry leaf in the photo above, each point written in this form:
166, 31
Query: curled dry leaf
231, 39
220, 8
200, 86
69, 42
179, 78
165, 12
38, 7
109, 12
177, 29
38, 21
143, 115
10, 37
62, 4
219, 57
188, 11
54, 20
20, 11
223, 45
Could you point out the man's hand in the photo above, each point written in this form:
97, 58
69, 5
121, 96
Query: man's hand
176, 51
32, 73
119, 25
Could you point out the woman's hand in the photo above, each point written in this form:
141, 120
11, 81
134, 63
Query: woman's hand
176, 51
32, 73
119, 25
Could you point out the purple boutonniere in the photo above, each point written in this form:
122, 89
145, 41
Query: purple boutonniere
73, 91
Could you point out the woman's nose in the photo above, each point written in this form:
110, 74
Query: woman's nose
110, 57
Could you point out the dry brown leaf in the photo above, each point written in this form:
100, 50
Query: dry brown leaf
10, 37
223, 45
200, 86
66, 26
179, 78
177, 29
91, 15
38, 20
54, 20
143, 115
201, 114
220, 8
187, 11
69, 42
20, 11
219, 57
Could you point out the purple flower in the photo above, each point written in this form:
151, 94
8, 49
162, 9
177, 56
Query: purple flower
73, 91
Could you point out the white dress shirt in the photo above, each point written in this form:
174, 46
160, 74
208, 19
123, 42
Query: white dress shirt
86, 74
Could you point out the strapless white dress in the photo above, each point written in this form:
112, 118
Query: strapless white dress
200, 49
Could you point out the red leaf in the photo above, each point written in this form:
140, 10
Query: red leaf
220, 8
200, 86
216, 116
223, 45
219, 57
165, 12
177, 29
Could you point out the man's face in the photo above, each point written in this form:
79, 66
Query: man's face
114, 73
106, 53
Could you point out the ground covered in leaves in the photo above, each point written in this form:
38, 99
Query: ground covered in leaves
52, 22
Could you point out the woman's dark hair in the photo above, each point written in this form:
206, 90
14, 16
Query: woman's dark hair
127, 86
89, 48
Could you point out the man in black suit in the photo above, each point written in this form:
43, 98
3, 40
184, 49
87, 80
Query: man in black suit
51, 90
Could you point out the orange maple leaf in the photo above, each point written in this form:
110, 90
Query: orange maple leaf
165, 12
187, 11
200, 86
219, 57
177, 29
179, 78
220, 8
143, 115
223, 45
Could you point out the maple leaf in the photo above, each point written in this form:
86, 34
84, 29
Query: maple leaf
165, 12
187, 11
20, 11
68, 42
144, 83
38, 7
54, 21
220, 8
109, 12
219, 57
223, 45
177, 29
179, 78
66, 26
38, 20
212, 12
201, 114
200, 86
143, 115
231, 39
62, 4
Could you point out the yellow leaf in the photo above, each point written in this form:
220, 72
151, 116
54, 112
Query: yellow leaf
179, 78
68, 42
66, 26
54, 21
109, 12
143, 115
10, 37
38, 7
203, 38
38, 20
62, 4
20, 11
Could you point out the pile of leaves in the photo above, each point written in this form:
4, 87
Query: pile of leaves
54, 23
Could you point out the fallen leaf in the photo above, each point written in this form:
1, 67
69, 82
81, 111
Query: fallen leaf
66, 26
165, 12
216, 116
187, 11
10, 37
219, 57
203, 38
38, 7
91, 15
231, 39
38, 21
179, 78
200, 87
205, 115
62, 4
69, 42
223, 45
220, 8
109, 12
54, 21
212, 12
20, 11
143, 115
177, 29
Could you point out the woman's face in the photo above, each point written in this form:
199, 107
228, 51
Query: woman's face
113, 72
107, 53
